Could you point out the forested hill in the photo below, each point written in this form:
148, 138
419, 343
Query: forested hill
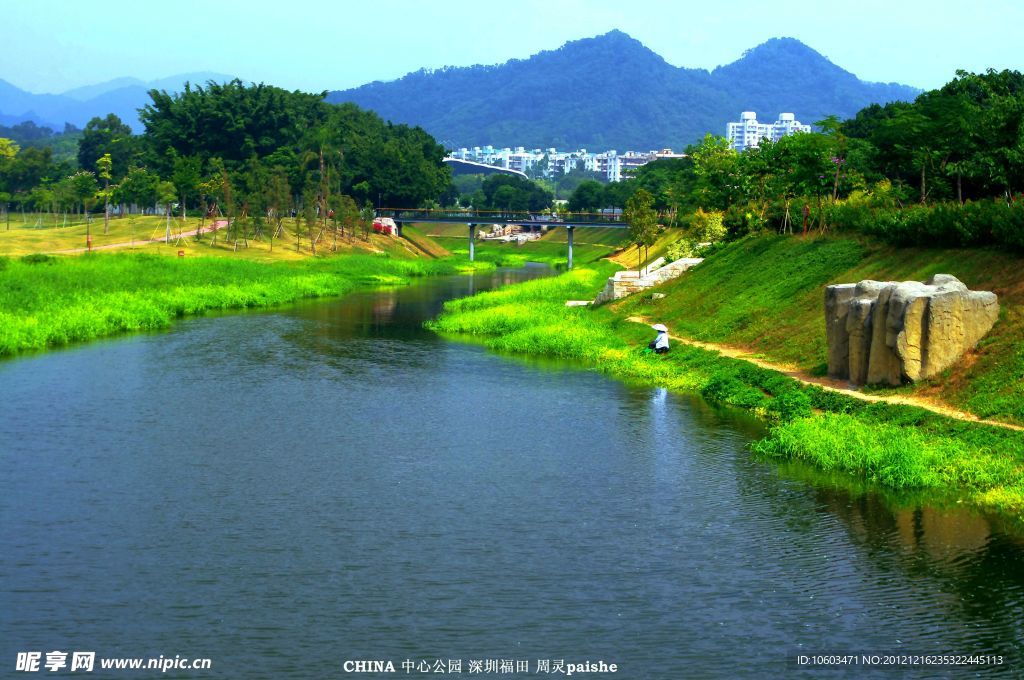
612, 92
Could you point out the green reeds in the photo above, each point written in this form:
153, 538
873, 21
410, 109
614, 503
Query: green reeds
50, 301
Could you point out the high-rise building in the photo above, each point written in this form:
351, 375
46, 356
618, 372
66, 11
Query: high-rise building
748, 133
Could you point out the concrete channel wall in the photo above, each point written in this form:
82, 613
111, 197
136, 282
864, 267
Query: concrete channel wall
628, 282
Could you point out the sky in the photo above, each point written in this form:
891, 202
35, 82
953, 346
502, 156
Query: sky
314, 45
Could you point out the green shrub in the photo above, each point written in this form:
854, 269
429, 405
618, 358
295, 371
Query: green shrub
707, 227
38, 258
679, 249
790, 406
977, 223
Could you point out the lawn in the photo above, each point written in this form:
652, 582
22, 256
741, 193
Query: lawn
766, 294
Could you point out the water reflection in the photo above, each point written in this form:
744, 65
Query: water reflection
283, 490
944, 566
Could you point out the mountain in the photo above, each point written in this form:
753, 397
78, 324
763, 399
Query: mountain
121, 96
87, 92
784, 74
612, 92
606, 92
17, 105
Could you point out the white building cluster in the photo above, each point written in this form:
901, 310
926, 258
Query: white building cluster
748, 133
611, 164
615, 166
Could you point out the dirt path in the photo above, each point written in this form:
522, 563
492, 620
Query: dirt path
219, 224
833, 384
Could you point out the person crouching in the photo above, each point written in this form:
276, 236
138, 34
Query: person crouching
660, 342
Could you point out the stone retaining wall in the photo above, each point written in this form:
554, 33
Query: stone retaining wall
627, 282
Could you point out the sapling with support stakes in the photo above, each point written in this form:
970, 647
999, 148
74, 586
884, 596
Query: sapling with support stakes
166, 193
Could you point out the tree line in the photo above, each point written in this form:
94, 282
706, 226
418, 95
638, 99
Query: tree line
946, 169
250, 153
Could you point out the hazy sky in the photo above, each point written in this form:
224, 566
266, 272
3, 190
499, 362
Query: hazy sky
54, 45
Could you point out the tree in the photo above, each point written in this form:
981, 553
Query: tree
236, 123
138, 188
615, 194
165, 194
186, 176
42, 198
349, 215
8, 149
512, 193
103, 166
707, 227
588, 197
564, 184
508, 199
715, 166
63, 196
642, 219
84, 188
278, 200
28, 168
108, 136
669, 180
308, 216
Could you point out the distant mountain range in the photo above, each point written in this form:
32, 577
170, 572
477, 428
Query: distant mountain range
122, 96
612, 92
607, 92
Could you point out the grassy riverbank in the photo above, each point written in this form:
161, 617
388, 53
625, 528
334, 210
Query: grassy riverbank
137, 233
899, 446
589, 245
765, 294
49, 301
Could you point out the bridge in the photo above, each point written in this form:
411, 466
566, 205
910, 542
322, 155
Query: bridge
472, 218
463, 167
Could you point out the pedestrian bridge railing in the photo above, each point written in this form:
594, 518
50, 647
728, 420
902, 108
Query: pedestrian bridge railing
523, 217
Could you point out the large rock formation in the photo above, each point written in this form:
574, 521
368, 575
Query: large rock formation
891, 332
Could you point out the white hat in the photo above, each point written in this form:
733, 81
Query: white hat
660, 327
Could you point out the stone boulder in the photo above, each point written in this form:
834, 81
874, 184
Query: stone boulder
890, 332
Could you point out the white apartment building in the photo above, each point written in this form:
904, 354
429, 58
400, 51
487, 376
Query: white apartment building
611, 164
748, 133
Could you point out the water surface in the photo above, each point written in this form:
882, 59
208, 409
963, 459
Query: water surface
287, 490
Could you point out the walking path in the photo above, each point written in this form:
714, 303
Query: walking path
219, 224
833, 384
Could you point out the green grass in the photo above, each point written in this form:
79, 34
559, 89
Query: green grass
613, 237
899, 447
47, 301
423, 243
511, 254
766, 294
893, 454
628, 256
32, 220
133, 231
443, 230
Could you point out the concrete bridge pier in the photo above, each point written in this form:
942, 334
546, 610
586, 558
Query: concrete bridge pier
472, 240
570, 230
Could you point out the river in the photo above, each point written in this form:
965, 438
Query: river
285, 491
